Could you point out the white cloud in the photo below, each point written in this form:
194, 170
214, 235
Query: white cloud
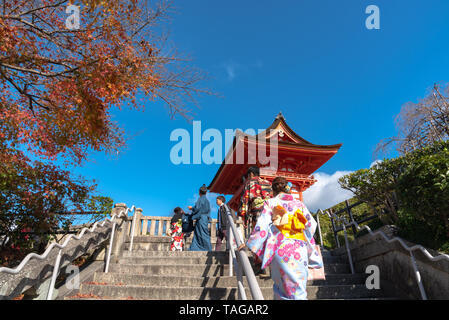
230, 71
234, 69
231, 68
375, 162
326, 192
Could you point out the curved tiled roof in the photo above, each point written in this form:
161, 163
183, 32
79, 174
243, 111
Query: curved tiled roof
294, 141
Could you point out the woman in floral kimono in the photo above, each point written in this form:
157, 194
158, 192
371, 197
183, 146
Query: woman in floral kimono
177, 242
201, 213
283, 238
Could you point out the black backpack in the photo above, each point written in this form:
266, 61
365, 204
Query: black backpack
187, 223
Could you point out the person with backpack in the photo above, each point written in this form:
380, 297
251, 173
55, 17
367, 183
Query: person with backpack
176, 232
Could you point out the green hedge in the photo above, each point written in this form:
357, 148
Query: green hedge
412, 192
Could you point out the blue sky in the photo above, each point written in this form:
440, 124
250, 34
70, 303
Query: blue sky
334, 80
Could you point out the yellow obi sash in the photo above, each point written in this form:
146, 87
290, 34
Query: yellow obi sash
291, 225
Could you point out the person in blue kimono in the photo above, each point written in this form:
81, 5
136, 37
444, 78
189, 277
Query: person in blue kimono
201, 213
283, 239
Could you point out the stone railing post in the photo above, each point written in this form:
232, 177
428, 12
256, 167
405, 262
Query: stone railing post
213, 228
167, 226
160, 228
152, 226
144, 226
138, 226
120, 232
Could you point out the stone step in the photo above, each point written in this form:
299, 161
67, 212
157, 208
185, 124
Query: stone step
221, 254
199, 270
160, 239
172, 269
207, 293
175, 260
222, 259
147, 253
339, 251
332, 259
328, 255
166, 241
155, 246
223, 281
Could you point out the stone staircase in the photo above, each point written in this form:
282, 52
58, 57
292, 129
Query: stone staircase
151, 272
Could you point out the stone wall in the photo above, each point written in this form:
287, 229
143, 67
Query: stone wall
396, 270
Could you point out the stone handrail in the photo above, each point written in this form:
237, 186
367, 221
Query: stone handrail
35, 268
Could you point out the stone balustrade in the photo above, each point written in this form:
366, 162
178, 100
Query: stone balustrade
158, 226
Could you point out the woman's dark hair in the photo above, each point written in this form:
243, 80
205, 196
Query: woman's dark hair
178, 214
178, 210
253, 170
203, 189
222, 199
279, 185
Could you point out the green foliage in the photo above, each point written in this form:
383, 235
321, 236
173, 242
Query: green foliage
101, 205
411, 192
423, 192
32, 196
376, 186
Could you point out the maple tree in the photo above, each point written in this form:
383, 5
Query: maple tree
59, 85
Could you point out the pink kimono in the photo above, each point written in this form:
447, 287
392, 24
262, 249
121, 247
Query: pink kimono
289, 257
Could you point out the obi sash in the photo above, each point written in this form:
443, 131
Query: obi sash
291, 225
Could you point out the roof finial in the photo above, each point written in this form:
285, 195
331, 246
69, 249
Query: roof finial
280, 115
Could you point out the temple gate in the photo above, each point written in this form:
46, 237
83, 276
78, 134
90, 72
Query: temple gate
297, 159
